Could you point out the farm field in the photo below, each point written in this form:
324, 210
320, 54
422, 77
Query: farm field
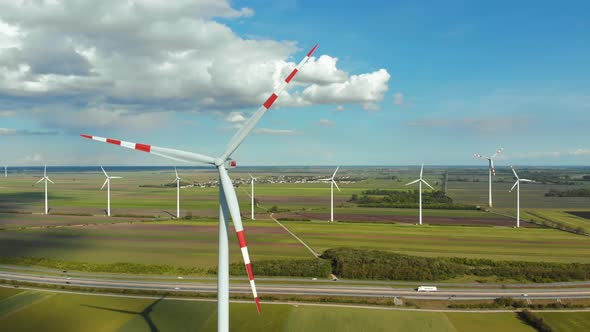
574, 321
499, 243
72, 312
173, 243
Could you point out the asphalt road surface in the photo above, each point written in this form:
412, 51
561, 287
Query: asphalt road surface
337, 289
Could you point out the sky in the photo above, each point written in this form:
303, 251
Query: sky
391, 83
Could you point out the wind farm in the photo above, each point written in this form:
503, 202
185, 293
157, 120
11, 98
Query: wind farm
224, 117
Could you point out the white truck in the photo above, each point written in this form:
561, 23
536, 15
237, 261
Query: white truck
426, 289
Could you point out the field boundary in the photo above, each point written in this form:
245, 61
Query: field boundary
313, 252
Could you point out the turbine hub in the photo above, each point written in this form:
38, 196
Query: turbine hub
218, 162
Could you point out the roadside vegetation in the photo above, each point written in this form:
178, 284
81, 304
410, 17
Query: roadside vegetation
374, 264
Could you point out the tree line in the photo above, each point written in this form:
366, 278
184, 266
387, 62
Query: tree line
384, 265
406, 199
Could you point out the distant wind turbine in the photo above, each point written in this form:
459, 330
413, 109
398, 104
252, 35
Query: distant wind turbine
252, 179
517, 185
45, 178
332, 184
420, 180
107, 183
178, 179
492, 170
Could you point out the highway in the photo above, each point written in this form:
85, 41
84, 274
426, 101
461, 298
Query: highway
336, 289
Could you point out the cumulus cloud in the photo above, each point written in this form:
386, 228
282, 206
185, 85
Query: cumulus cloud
111, 54
365, 89
24, 132
326, 123
235, 117
339, 108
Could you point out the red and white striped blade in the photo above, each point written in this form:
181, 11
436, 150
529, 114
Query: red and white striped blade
497, 153
173, 154
234, 210
241, 135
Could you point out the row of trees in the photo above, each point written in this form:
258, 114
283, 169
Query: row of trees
568, 193
293, 268
376, 264
406, 199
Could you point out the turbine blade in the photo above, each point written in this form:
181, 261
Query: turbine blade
526, 180
492, 167
45, 171
415, 181
513, 171
515, 184
115, 177
173, 154
421, 170
324, 180
497, 153
241, 135
105, 173
333, 175
234, 210
426, 183
104, 184
175, 172
48, 179
478, 156
336, 185
41, 179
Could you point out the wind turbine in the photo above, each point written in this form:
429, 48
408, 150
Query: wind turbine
420, 180
492, 170
178, 179
45, 178
107, 183
252, 179
517, 185
332, 184
228, 201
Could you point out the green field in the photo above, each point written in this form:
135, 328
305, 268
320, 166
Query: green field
70, 312
173, 243
500, 243
569, 322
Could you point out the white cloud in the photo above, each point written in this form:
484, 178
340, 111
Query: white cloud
339, 108
235, 117
112, 54
326, 123
103, 117
398, 98
275, 132
322, 71
579, 152
365, 89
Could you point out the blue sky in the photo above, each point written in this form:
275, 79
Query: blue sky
463, 78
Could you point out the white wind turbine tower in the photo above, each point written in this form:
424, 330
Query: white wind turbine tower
420, 180
107, 183
228, 201
252, 179
177, 179
45, 178
517, 185
332, 184
492, 170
